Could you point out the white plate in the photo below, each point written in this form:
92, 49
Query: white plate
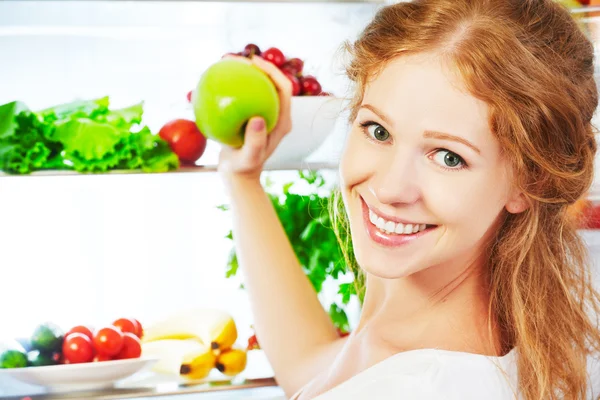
85, 376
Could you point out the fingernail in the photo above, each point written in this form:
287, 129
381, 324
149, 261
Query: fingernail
257, 124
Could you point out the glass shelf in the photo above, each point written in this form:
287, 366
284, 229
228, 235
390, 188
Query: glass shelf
313, 166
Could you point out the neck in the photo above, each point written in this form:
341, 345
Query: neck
444, 307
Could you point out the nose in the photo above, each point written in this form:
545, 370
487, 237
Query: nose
396, 180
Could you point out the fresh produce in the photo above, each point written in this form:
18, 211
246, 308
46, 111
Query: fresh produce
132, 347
37, 358
13, 359
310, 86
228, 94
308, 226
293, 68
77, 348
127, 325
231, 362
81, 344
251, 50
108, 341
185, 139
212, 327
85, 136
253, 343
275, 56
188, 358
586, 214
83, 330
47, 337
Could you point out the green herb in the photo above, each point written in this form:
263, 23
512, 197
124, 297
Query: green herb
308, 225
86, 136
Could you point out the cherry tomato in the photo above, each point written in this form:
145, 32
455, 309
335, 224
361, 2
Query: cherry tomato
102, 357
189, 96
132, 347
83, 330
140, 331
108, 341
253, 343
127, 325
77, 348
185, 139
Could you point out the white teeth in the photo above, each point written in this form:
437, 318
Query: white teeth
372, 217
397, 228
389, 226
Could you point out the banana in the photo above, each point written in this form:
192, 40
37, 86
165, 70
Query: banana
231, 362
213, 327
187, 358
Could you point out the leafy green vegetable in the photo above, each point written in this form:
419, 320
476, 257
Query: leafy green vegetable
307, 224
85, 135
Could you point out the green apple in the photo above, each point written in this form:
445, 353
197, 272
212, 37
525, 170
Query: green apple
229, 93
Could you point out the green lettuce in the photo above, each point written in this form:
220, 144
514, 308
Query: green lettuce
85, 136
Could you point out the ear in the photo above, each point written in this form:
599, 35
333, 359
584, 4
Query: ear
517, 203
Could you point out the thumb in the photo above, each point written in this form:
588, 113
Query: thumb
255, 140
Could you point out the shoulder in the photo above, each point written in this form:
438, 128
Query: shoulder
432, 374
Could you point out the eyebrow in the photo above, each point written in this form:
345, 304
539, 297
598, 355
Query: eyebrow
427, 134
447, 136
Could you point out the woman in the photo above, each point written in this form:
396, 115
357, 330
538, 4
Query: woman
471, 137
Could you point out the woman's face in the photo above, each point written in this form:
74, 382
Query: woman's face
422, 176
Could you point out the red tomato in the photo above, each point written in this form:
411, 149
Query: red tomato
140, 331
185, 139
102, 357
77, 348
132, 347
108, 341
83, 330
127, 325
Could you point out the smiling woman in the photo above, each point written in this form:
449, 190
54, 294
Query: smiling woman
471, 137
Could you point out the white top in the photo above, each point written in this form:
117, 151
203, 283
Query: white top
430, 374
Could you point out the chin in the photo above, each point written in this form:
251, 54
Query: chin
386, 263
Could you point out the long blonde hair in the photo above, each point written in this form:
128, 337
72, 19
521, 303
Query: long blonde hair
528, 60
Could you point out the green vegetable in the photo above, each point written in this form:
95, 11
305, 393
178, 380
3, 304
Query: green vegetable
307, 224
85, 136
47, 338
38, 358
13, 359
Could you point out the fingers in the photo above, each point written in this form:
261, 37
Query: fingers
284, 87
255, 144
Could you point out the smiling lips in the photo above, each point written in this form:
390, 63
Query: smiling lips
390, 233
393, 227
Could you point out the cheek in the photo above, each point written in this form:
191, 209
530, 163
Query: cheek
471, 200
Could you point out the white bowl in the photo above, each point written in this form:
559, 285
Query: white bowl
85, 376
313, 120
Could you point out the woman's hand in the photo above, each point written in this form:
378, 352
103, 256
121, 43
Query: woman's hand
248, 161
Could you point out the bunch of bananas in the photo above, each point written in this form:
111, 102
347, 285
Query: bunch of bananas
193, 342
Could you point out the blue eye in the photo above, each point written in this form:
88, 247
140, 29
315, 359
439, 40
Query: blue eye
449, 160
